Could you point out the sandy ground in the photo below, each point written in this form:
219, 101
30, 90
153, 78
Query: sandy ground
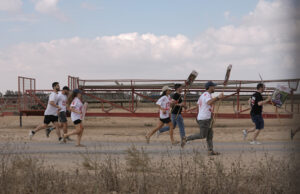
114, 135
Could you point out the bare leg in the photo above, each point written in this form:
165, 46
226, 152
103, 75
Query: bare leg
250, 130
56, 124
80, 135
65, 127
296, 131
256, 133
76, 132
293, 133
40, 127
170, 124
159, 126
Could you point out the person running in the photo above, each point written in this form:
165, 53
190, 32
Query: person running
76, 105
176, 116
293, 133
204, 117
256, 102
164, 103
62, 99
50, 114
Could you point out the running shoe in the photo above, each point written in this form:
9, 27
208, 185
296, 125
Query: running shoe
213, 153
255, 143
61, 140
252, 142
48, 131
64, 138
157, 133
245, 133
292, 134
183, 142
69, 139
31, 134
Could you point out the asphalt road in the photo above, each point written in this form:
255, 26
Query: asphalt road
152, 148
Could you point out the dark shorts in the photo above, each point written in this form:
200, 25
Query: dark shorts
76, 122
166, 120
258, 120
50, 118
62, 117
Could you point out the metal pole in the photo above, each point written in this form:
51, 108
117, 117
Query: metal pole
292, 101
21, 119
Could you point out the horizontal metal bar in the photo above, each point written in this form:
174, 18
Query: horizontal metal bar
153, 115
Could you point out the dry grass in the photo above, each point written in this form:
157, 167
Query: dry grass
140, 174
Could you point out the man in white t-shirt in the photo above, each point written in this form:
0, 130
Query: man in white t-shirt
205, 103
62, 99
50, 114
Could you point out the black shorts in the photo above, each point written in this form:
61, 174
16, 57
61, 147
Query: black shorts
258, 120
62, 117
166, 120
76, 122
50, 118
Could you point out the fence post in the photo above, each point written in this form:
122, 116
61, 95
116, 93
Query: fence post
21, 114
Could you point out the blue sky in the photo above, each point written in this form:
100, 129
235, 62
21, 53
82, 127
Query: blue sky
98, 17
158, 39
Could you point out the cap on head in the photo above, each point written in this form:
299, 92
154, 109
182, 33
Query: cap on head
208, 84
66, 88
165, 88
77, 91
176, 86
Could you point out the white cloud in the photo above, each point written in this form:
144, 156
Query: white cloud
49, 7
89, 6
30, 18
227, 15
264, 42
10, 5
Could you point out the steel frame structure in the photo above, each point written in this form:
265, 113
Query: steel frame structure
138, 89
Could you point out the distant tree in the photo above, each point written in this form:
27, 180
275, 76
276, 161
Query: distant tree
10, 93
1, 95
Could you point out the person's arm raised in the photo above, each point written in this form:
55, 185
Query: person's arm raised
213, 100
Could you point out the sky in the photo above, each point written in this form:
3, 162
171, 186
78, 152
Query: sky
158, 39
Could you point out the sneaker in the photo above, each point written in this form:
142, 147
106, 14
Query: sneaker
245, 133
64, 139
252, 142
69, 139
255, 143
213, 153
48, 131
157, 133
31, 134
292, 134
183, 142
61, 140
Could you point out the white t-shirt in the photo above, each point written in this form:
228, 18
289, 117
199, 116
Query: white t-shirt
77, 104
51, 110
204, 108
164, 102
62, 101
